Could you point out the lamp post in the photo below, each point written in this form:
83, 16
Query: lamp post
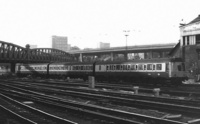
126, 35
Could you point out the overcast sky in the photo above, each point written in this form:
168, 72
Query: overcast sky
87, 22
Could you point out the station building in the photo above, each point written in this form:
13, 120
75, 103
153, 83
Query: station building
124, 53
189, 46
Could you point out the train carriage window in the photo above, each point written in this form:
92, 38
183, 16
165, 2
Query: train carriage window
99, 67
107, 67
136, 67
154, 67
158, 66
132, 67
114, 67
149, 66
111, 67
117, 67
140, 67
62, 68
128, 67
124, 67
121, 67
145, 67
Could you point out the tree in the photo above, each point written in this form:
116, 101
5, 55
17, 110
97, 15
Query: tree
74, 48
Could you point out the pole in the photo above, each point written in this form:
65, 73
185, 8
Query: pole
126, 50
126, 47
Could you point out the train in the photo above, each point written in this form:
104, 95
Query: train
5, 69
152, 71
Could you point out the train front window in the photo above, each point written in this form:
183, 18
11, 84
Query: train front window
158, 66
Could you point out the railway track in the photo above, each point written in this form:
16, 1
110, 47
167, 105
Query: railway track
115, 116
147, 102
130, 95
191, 91
28, 115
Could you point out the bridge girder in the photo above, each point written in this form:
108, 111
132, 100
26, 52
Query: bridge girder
13, 53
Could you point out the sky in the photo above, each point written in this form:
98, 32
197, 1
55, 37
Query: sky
88, 22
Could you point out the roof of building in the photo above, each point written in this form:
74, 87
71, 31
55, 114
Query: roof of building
128, 48
195, 20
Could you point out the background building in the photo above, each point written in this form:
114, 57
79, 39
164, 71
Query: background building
60, 42
102, 45
33, 46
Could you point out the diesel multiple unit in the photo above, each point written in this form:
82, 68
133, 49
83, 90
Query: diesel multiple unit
152, 71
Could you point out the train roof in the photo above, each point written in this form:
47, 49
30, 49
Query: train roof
71, 63
31, 63
122, 62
